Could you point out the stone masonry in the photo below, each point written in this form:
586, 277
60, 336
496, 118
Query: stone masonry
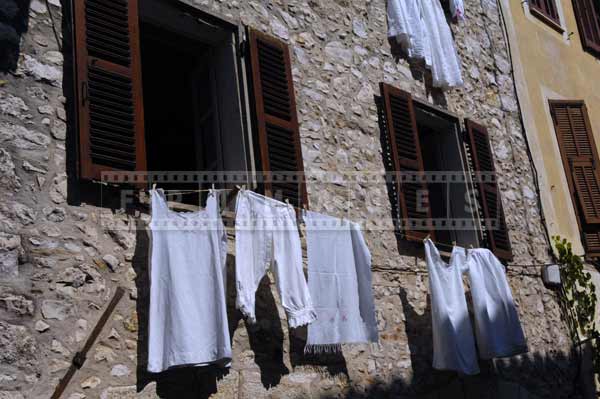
59, 266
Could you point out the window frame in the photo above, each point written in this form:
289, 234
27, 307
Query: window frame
545, 16
585, 227
470, 169
588, 44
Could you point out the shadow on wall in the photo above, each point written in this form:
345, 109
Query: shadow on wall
550, 375
14, 18
265, 338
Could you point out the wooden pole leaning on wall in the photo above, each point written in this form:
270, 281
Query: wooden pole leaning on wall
79, 358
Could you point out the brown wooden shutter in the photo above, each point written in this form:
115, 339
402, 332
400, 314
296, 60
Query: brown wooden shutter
109, 87
478, 143
276, 117
580, 160
545, 9
403, 139
587, 13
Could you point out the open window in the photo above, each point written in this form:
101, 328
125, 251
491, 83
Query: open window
162, 86
191, 96
444, 182
453, 212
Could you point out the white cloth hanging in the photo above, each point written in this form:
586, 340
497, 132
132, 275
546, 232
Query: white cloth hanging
453, 342
406, 26
339, 280
266, 234
497, 326
420, 27
445, 64
457, 10
188, 312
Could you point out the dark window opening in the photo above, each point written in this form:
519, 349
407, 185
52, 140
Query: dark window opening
441, 148
192, 109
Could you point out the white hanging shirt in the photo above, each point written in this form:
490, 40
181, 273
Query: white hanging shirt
453, 342
497, 326
188, 312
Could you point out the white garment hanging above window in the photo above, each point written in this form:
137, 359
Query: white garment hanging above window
445, 65
420, 27
406, 27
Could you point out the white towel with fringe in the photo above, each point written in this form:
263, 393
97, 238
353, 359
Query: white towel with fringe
339, 281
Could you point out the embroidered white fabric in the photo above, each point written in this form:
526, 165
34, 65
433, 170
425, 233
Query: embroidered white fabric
339, 280
188, 312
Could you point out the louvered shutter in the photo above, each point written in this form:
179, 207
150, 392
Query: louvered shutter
276, 118
580, 159
478, 144
587, 13
405, 148
109, 87
547, 9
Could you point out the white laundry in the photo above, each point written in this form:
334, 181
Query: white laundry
188, 312
445, 65
405, 25
339, 280
457, 10
497, 326
266, 234
421, 28
453, 342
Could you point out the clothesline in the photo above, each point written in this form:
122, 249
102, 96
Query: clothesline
423, 271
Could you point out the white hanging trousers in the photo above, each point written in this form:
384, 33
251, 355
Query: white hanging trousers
266, 234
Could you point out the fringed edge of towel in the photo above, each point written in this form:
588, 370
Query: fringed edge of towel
319, 349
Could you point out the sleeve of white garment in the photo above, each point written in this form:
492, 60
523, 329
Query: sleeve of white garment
289, 276
362, 258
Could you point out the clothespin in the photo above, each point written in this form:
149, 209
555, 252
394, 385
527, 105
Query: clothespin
287, 201
213, 186
153, 186
454, 243
427, 238
471, 246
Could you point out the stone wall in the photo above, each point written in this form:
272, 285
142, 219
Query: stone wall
60, 266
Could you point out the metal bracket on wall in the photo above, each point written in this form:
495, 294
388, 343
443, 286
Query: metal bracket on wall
79, 358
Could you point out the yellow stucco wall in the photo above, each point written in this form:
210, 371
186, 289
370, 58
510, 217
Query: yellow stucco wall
551, 65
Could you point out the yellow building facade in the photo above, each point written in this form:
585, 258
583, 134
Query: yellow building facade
555, 64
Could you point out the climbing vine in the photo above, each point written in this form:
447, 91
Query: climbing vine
578, 297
